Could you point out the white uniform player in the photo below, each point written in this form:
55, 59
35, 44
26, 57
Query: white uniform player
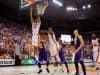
95, 45
36, 25
35, 28
53, 48
52, 44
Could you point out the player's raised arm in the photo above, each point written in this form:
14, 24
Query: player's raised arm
31, 16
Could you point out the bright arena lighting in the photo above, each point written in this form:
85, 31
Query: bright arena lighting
89, 6
58, 3
84, 7
71, 9
75, 9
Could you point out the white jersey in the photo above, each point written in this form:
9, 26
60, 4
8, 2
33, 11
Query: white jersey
35, 33
52, 44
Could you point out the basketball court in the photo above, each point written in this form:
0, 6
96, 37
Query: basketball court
25, 23
32, 70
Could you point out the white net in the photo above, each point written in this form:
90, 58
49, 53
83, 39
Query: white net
41, 8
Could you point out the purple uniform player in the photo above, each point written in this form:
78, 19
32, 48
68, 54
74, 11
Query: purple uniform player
43, 57
62, 57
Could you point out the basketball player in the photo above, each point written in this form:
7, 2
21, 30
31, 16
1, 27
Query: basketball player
53, 48
35, 33
78, 58
36, 25
52, 42
62, 56
98, 57
95, 48
43, 57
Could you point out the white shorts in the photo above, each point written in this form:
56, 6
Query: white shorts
95, 54
35, 40
55, 59
53, 51
58, 58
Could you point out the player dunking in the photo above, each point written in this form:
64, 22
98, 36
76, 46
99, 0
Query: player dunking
78, 58
35, 33
36, 25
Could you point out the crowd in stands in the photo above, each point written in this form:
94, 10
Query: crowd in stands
14, 39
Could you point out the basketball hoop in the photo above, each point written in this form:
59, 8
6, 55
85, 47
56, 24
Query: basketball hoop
41, 8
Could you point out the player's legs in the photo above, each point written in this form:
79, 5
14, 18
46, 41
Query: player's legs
35, 46
55, 63
95, 54
76, 60
36, 51
47, 65
47, 69
40, 70
83, 67
40, 61
77, 68
97, 62
43, 57
47, 61
66, 65
63, 60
